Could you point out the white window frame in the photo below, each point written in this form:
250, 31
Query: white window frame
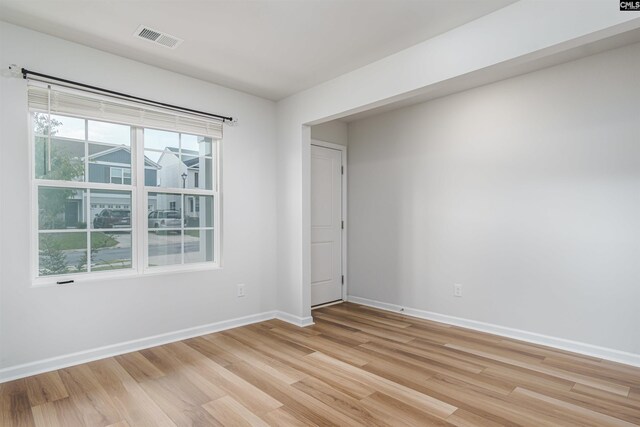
111, 175
139, 223
214, 192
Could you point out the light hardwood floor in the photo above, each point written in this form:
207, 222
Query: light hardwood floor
355, 366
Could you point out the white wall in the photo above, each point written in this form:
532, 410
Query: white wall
511, 39
38, 323
525, 191
335, 131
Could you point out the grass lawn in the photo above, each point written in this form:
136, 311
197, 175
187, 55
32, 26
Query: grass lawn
102, 240
67, 241
116, 264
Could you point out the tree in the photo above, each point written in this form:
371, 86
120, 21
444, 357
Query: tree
52, 258
56, 164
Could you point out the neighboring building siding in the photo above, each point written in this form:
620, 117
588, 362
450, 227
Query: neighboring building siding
101, 173
150, 177
121, 156
98, 173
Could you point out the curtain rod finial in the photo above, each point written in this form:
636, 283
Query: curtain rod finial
233, 121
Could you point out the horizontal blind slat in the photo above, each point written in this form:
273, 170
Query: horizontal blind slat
75, 103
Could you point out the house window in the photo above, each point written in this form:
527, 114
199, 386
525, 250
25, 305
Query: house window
85, 216
120, 175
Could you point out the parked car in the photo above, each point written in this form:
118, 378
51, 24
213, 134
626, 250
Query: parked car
112, 218
164, 219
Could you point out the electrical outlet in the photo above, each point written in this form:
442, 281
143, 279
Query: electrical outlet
241, 292
457, 290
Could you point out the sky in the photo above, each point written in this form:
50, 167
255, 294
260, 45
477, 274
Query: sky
117, 134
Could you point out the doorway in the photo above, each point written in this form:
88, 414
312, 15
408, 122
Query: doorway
328, 223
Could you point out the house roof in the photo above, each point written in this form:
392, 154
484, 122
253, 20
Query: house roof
122, 148
193, 162
175, 150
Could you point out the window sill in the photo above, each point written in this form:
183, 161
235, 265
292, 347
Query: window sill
47, 282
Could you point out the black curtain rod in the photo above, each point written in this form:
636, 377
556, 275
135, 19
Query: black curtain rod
26, 72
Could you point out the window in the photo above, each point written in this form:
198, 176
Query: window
177, 233
120, 175
69, 187
87, 174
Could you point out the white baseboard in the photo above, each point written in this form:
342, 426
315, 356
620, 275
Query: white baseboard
532, 337
295, 320
64, 361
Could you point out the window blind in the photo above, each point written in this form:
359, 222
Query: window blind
63, 101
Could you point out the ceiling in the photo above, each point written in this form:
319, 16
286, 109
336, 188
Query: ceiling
499, 72
269, 48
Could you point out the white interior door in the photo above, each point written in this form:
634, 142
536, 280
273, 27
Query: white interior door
326, 225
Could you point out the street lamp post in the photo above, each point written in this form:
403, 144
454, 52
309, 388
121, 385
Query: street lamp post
184, 180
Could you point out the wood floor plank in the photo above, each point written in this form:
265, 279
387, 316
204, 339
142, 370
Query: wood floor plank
138, 366
485, 402
620, 389
70, 414
132, 403
231, 413
594, 370
340, 331
605, 396
378, 320
15, 408
283, 417
44, 415
379, 331
238, 351
87, 395
607, 403
581, 414
464, 418
341, 381
320, 343
545, 351
356, 366
406, 394
179, 400
229, 383
338, 401
305, 406
435, 368
44, 388
204, 346
395, 412
428, 358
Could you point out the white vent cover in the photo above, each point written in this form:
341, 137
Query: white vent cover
157, 37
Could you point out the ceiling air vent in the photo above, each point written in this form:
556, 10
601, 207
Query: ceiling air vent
157, 37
